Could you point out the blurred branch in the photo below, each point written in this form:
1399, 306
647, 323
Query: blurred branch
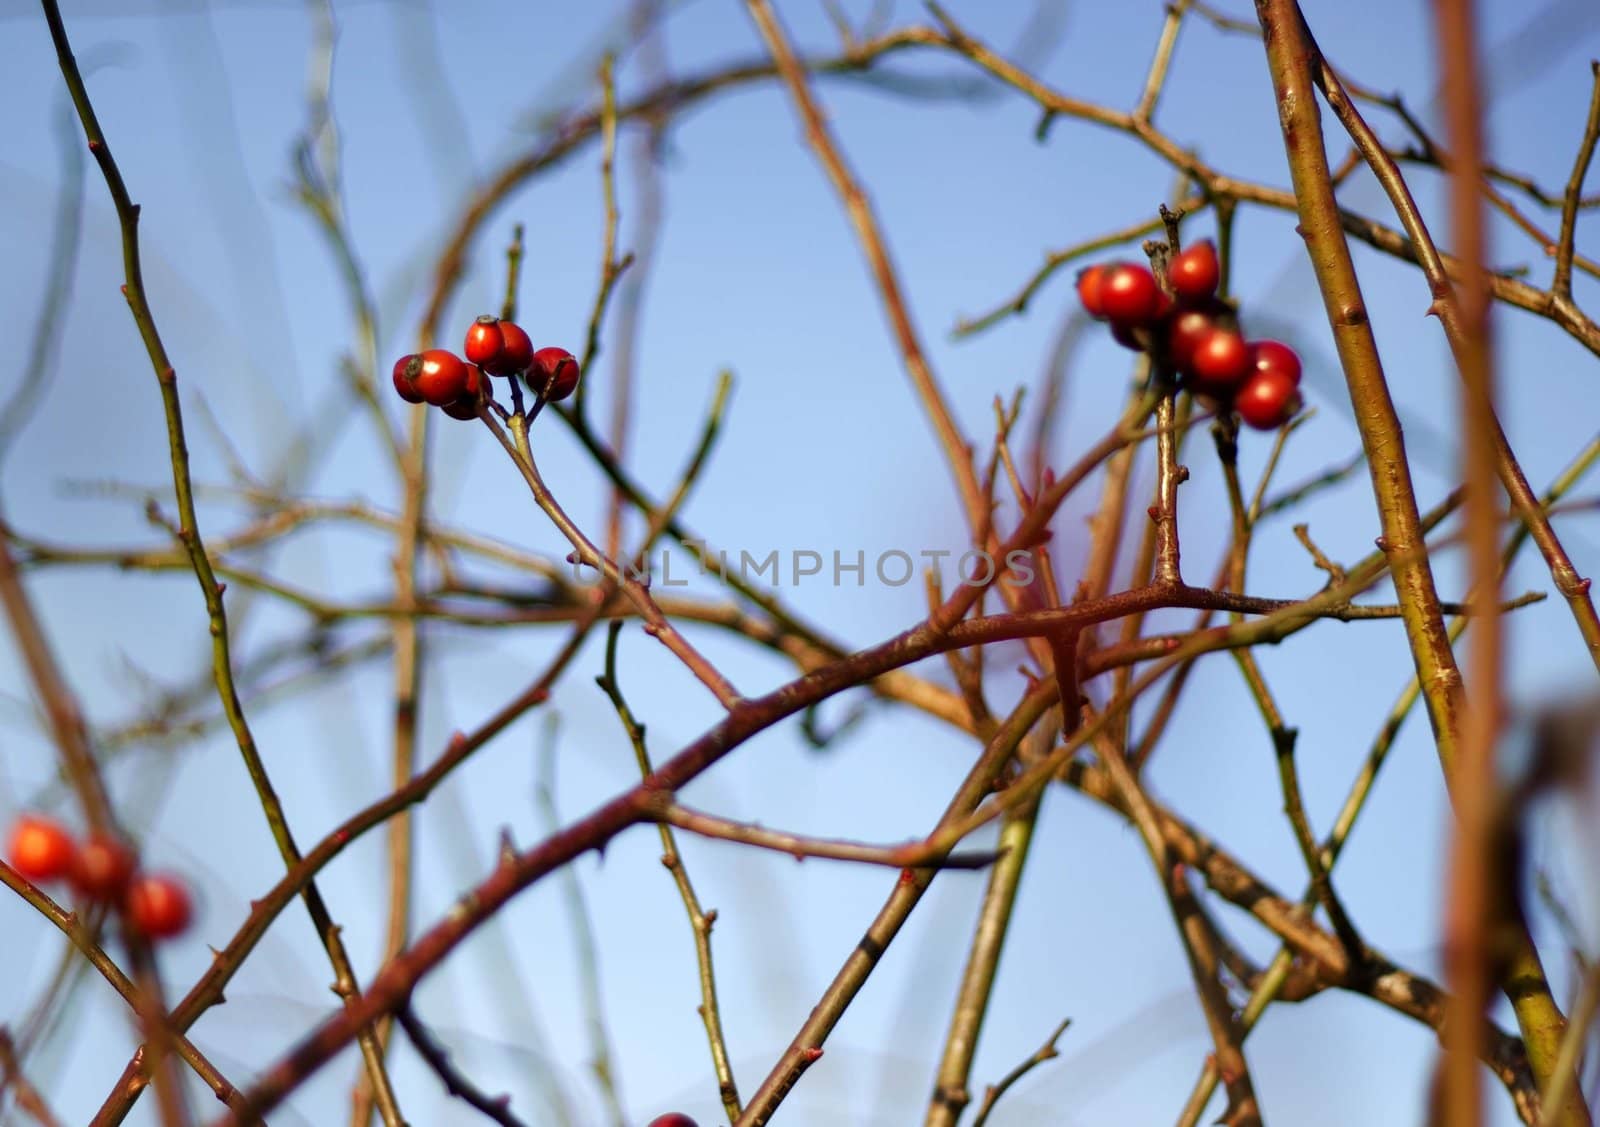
66, 234
12, 1080
869, 234
71, 926
497, 1108
602, 1061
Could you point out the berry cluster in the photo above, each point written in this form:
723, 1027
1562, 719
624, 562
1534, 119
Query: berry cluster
100, 869
1193, 333
493, 348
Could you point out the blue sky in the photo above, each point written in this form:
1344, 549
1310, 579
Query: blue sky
756, 272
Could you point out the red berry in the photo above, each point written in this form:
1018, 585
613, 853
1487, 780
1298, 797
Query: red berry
554, 371
464, 408
159, 906
1275, 356
484, 341
1267, 400
402, 380
40, 849
517, 352
673, 1119
1129, 294
1194, 273
104, 867
1184, 331
1219, 361
1089, 291
440, 376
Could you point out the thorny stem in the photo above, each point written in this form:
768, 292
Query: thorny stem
433, 1054
1537, 1014
189, 535
700, 920
806, 1046
1226, 1037
80, 936
948, 618
1361, 789
1573, 587
396, 980
1464, 319
950, 1095
656, 623
1164, 513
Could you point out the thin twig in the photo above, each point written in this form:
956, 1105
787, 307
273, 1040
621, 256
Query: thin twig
1561, 281
166, 377
700, 920
1045, 1053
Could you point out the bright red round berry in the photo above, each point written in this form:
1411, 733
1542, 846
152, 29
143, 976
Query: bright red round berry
555, 371
440, 376
1129, 294
40, 849
516, 353
158, 906
103, 868
1089, 291
1267, 400
402, 380
484, 342
1194, 272
1219, 361
1184, 331
673, 1119
1275, 356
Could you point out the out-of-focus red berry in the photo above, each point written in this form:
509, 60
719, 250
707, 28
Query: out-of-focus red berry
1184, 331
1267, 400
159, 906
103, 868
1275, 356
40, 849
1219, 361
1129, 294
1194, 272
1089, 282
